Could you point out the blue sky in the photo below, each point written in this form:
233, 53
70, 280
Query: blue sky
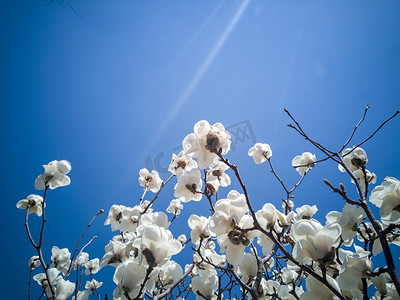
126, 80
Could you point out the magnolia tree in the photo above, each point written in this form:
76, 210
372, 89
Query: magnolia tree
237, 251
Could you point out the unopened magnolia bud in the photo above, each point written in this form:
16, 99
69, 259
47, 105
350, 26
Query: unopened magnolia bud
328, 183
342, 187
100, 211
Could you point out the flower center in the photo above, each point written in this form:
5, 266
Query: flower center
212, 142
191, 187
237, 237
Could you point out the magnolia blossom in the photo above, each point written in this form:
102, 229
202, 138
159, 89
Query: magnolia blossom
64, 289
156, 244
288, 275
33, 203
206, 284
130, 218
200, 228
247, 268
175, 207
316, 290
80, 260
189, 186
150, 181
170, 272
55, 175
303, 163
364, 180
356, 266
93, 285
34, 262
205, 142
41, 279
380, 282
306, 212
182, 239
354, 159
92, 266
260, 153
129, 276
116, 253
387, 197
181, 163
216, 176
349, 220
61, 259
115, 216
158, 218
230, 218
315, 242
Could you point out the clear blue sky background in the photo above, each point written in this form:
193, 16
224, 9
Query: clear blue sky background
126, 80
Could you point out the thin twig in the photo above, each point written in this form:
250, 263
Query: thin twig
79, 241
158, 192
372, 134
355, 129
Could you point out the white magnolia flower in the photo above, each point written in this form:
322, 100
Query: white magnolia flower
306, 212
189, 186
267, 216
260, 153
247, 267
182, 239
170, 272
205, 142
33, 203
64, 289
175, 207
150, 181
318, 291
303, 163
80, 260
369, 178
61, 259
181, 163
353, 159
315, 242
158, 218
217, 174
83, 295
129, 276
356, 266
268, 288
93, 285
41, 279
156, 244
200, 228
92, 266
349, 220
115, 217
387, 197
55, 175
380, 282
206, 284
116, 253
288, 275
230, 218
34, 262
130, 218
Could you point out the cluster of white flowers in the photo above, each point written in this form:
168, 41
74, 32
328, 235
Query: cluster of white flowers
268, 253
